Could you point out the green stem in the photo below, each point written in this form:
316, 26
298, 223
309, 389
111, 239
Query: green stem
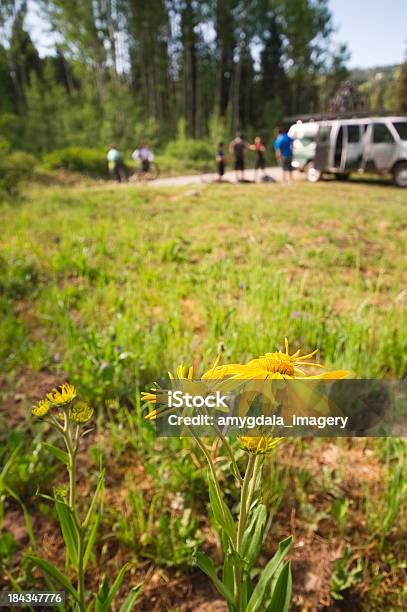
81, 573
72, 447
229, 450
244, 499
241, 526
71, 470
211, 466
257, 466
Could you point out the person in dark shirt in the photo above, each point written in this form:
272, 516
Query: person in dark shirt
260, 161
220, 161
284, 152
238, 147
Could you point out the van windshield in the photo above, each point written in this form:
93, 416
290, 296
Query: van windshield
401, 127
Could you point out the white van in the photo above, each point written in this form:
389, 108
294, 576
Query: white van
371, 144
304, 135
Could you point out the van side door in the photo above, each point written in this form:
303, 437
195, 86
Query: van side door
323, 147
380, 148
354, 147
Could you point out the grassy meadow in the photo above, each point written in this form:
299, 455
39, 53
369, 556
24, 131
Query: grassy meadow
111, 287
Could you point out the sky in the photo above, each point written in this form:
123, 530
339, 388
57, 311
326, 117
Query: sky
375, 30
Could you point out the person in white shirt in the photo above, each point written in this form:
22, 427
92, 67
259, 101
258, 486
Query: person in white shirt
145, 155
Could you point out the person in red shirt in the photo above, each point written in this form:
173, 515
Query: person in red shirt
260, 161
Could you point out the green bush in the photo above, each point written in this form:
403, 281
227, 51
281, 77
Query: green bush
171, 166
190, 150
77, 159
15, 167
12, 129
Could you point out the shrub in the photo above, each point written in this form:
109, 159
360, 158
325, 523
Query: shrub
15, 167
77, 159
12, 129
190, 150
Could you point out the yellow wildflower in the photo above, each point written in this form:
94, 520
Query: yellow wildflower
61, 492
113, 404
182, 373
259, 445
80, 413
42, 408
63, 395
273, 365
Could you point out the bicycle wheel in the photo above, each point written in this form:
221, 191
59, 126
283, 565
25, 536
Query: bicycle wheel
135, 177
124, 174
154, 171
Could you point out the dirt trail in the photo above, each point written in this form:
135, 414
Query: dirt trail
194, 179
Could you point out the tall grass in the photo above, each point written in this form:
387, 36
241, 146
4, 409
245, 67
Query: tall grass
124, 285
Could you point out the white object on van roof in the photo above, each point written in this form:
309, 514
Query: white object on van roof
300, 130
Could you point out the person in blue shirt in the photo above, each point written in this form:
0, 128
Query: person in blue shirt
284, 152
115, 164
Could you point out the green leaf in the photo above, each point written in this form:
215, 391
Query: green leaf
69, 530
102, 595
221, 512
260, 592
253, 536
228, 572
27, 519
58, 453
90, 542
106, 603
206, 565
131, 598
54, 572
281, 597
92, 507
228, 578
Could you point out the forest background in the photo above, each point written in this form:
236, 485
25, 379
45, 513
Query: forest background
182, 74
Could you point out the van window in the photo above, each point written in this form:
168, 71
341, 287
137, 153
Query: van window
324, 133
382, 134
401, 127
307, 141
338, 148
353, 133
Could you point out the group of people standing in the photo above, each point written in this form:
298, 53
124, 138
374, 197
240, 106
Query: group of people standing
143, 154
283, 147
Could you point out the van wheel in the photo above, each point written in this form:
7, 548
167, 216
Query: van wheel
341, 177
313, 174
400, 175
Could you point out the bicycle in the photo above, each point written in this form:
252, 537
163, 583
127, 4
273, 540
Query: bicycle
139, 175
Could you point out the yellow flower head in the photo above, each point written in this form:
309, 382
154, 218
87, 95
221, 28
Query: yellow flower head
113, 404
80, 413
283, 363
61, 492
41, 409
181, 373
259, 445
63, 395
273, 365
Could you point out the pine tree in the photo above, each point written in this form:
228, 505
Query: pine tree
402, 90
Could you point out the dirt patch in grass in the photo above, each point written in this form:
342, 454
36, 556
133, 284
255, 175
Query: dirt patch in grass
21, 390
